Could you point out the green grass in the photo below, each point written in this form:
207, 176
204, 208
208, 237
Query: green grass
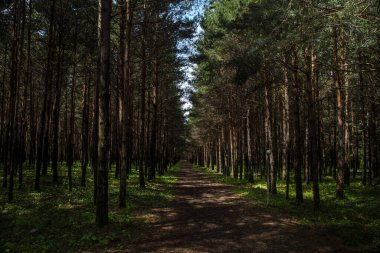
57, 220
356, 219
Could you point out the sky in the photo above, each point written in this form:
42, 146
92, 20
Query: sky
195, 12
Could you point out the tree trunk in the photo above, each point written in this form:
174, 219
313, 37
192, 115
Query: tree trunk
104, 126
155, 96
363, 93
286, 134
12, 127
42, 142
269, 146
340, 117
297, 134
248, 155
142, 94
85, 129
56, 111
125, 31
71, 138
312, 122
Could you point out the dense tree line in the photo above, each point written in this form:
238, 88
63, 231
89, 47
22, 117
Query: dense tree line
90, 81
289, 89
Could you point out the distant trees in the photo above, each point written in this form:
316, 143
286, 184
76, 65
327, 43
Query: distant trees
68, 95
294, 82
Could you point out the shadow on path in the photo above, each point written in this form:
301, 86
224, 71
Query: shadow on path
206, 216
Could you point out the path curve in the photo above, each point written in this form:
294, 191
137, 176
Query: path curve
206, 216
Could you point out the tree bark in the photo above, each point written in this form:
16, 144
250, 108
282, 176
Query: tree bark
56, 111
297, 134
142, 94
286, 134
269, 142
105, 9
340, 117
312, 122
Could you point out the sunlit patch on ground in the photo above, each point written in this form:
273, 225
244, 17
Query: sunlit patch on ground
210, 217
57, 220
355, 220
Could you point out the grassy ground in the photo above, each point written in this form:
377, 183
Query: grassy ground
356, 220
56, 220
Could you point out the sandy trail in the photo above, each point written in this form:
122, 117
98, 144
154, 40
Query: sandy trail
206, 216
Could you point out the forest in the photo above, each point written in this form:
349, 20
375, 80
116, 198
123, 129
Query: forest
190, 126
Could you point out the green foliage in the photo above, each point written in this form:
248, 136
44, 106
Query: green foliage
57, 220
356, 219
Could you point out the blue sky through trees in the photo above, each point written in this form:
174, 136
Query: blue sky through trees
187, 49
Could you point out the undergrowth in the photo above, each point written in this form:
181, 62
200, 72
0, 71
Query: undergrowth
356, 219
57, 220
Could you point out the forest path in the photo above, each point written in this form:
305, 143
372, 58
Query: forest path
206, 216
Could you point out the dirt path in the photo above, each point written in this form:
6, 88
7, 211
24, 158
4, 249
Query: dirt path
208, 217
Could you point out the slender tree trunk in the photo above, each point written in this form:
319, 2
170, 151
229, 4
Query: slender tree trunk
30, 84
345, 82
340, 117
85, 129
363, 118
12, 126
56, 112
125, 31
129, 95
105, 7
3, 121
42, 142
155, 96
372, 141
219, 155
142, 94
95, 131
248, 163
71, 140
286, 134
21, 106
297, 136
312, 122
269, 146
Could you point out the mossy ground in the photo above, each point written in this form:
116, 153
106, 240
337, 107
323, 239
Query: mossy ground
57, 220
356, 219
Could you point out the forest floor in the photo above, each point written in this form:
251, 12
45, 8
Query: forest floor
355, 220
59, 220
208, 216
189, 209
